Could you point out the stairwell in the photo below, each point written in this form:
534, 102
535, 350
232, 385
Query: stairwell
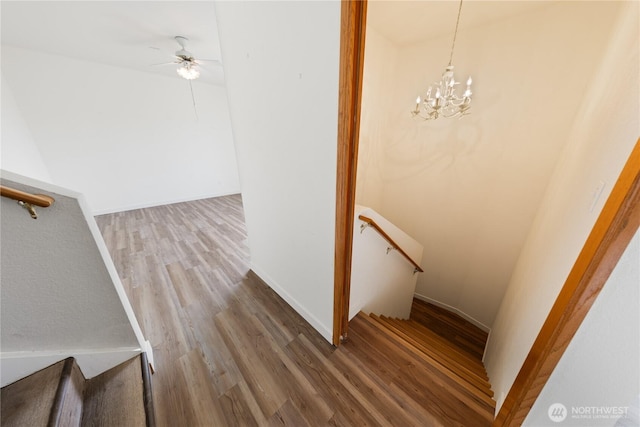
435, 354
59, 395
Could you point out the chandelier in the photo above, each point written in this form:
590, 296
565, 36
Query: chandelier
442, 99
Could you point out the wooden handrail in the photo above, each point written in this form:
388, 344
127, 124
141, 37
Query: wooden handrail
33, 199
388, 238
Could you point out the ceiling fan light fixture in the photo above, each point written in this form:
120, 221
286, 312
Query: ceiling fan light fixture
188, 71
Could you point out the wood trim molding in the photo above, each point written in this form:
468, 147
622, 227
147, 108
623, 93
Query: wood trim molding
614, 228
352, 37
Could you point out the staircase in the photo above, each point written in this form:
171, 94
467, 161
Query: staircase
450, 378
60, 396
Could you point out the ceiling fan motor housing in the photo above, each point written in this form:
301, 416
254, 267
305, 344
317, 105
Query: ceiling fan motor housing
185, 55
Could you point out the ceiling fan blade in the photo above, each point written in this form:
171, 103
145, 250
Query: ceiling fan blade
165, 53
164, 63
182, 41
216, 61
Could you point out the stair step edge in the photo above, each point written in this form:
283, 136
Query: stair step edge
362, 334
475, 378
456, 353
484, 394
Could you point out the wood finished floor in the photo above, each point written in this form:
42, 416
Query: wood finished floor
229, 352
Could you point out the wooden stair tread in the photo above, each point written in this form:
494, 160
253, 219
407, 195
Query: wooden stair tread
389, 355
439, 358
28, 402
427, 334
59, 395
114, 398
422, 333
397, 364
450, 326
443, 356
454, 354
481, 394
438, 395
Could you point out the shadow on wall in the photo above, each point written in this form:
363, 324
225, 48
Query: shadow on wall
431, 146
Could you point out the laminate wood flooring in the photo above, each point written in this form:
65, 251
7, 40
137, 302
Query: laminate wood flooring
230, 352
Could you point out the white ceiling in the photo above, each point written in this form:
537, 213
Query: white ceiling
119, 33
406, 22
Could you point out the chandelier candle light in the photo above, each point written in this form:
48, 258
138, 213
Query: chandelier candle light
442, 99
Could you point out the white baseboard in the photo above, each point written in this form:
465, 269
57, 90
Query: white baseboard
325, 331
163, 202
454, 310
19, 364
486, 346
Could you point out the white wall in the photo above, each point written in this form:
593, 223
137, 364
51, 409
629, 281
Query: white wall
604, 133
18, 151
383, 281
469, 189
281, 62
60, 293
600, 367
123, 138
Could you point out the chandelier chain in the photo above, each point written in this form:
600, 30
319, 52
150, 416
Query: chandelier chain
455, 33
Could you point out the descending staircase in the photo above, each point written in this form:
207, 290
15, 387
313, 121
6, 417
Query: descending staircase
60, 396
450, 377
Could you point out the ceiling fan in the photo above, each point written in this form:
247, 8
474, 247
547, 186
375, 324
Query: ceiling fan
188, 65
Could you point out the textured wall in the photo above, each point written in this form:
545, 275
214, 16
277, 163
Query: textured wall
56, 292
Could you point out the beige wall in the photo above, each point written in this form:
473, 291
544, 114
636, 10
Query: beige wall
377, 87
603, 134
503, 199
469, 189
